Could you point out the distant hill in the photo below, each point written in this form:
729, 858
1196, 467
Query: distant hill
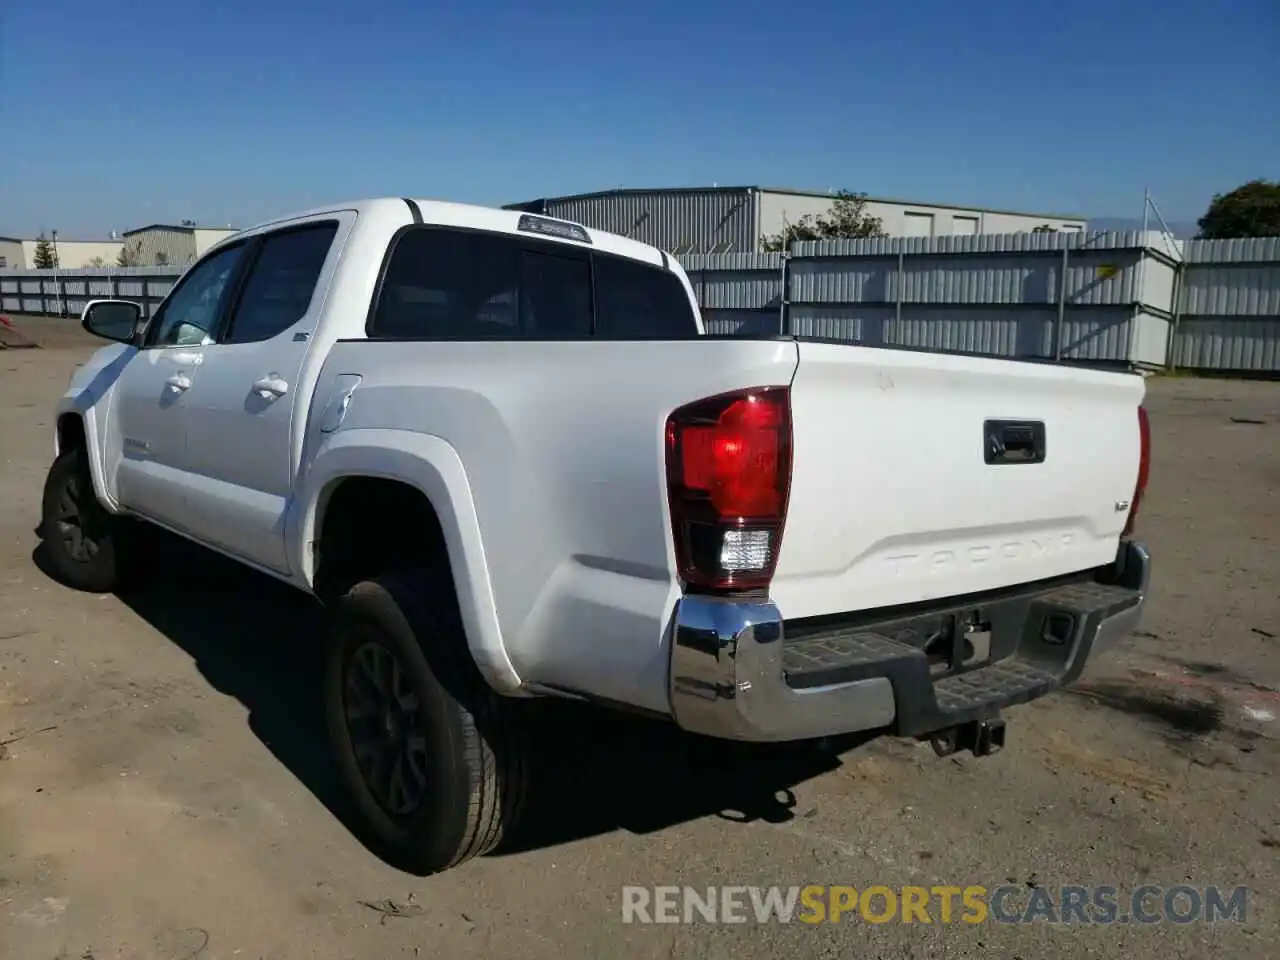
1182, 229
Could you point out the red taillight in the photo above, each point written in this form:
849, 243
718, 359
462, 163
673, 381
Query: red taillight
728, 476
1144, 468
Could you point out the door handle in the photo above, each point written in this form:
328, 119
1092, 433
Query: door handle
188, 359
179, 382
1014, 441
271, 386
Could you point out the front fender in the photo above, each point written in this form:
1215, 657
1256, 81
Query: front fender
432, 465
88, 397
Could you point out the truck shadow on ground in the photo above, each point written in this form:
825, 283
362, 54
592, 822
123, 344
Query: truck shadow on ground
594, 771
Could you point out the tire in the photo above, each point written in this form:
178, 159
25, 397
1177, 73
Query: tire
446, 725
83, 544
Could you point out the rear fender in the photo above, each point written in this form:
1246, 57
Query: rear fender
431, 465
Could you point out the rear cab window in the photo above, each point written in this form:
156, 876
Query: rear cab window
635, 301
448, 283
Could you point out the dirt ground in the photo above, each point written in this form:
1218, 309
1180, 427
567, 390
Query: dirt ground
165, 793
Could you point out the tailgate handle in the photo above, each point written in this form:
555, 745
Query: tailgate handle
1014, 441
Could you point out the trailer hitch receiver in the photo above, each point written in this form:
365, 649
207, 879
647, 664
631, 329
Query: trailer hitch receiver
982, 738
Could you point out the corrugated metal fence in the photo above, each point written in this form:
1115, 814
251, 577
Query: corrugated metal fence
65, 292
1129, 298
1229, 311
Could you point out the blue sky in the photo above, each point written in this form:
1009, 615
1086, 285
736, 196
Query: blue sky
117, 113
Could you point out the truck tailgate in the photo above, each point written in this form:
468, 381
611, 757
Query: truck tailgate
901, 492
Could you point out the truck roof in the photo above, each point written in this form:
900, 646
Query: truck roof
448, 213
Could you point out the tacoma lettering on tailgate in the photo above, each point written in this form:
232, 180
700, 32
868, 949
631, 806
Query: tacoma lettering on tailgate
904, 564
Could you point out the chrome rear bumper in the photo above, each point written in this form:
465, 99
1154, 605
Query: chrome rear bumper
735, 676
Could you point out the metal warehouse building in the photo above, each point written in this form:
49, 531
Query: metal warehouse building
165, 244
12, 256
733, 219
17, 254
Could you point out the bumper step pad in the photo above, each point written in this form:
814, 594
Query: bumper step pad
1031, 665
839, 651
1005, 681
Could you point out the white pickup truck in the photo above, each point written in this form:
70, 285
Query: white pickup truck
501, 451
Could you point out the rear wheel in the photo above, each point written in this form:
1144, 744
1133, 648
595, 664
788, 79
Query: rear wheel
433, 767
82, 541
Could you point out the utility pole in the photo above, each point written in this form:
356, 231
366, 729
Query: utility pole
57, 283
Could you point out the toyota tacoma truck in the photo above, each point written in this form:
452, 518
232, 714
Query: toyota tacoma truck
501, 451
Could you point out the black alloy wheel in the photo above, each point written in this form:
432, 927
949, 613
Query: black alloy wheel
384, 721
82, 542
433, 765
77, 523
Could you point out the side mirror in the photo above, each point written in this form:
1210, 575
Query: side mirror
117, 320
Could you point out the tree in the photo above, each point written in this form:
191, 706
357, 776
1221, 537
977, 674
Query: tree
1250, 210
130, 254
162, 258
96, 262
1044, 228
847, 218
44, 258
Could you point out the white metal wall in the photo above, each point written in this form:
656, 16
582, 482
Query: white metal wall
163, 246
680, 221
12, 256
901, 218
75, 254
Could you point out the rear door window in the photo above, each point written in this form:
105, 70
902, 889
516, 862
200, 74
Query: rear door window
281, 282
636, 301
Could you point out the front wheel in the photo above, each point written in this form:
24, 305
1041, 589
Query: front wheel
433, 767
82, 541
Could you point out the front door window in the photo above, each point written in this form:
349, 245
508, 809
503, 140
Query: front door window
190, 316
